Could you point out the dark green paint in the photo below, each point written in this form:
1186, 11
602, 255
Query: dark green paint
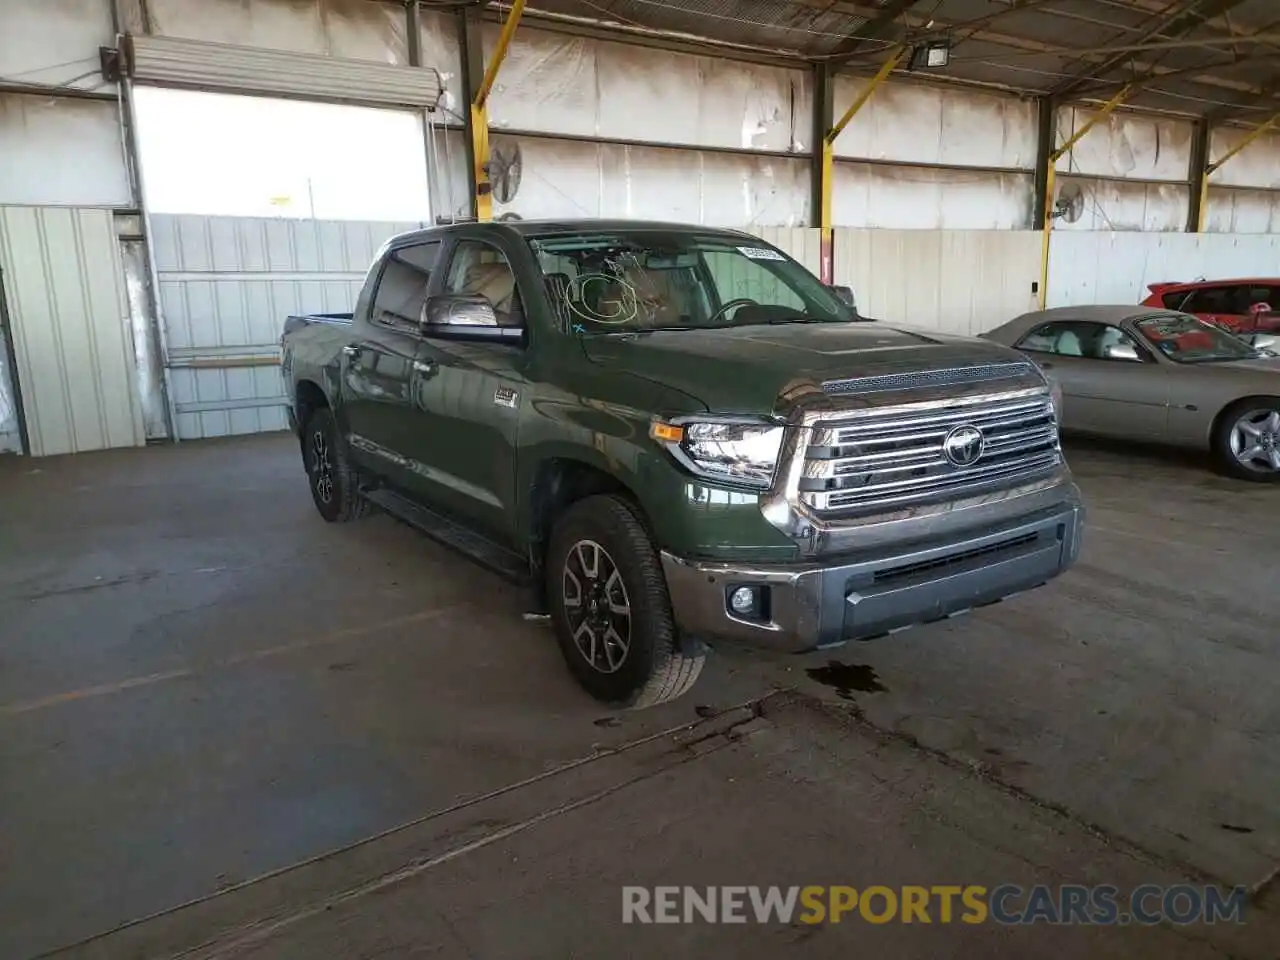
588, 399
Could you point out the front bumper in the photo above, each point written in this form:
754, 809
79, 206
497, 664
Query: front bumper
810, 606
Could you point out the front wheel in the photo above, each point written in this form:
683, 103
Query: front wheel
1247, 440
610, 608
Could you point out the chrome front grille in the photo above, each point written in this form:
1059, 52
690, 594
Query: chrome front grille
898, 456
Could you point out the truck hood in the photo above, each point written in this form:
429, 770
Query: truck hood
746, 369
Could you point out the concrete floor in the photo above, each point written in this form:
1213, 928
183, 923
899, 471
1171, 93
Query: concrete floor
201, 684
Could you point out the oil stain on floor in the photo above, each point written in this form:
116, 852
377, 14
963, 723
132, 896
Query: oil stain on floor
846, 678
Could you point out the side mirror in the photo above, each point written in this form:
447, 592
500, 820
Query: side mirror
845, 294
1122, 351
465, 317
1264, 342
457, 311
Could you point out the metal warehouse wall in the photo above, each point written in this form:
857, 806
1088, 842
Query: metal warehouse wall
959, 281
226, 285
64, 289
1118, 267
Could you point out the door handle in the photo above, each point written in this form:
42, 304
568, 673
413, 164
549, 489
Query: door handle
1045, 364
424, 366
352, 350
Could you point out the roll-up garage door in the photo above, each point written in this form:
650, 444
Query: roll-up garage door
195, 64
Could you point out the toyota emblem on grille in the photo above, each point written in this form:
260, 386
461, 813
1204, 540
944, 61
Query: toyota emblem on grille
964, 445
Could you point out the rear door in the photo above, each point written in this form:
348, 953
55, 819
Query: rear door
379, 363
1102, 393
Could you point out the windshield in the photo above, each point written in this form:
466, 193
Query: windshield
1186, 339
614, 282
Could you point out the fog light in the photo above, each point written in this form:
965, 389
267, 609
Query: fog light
742, 601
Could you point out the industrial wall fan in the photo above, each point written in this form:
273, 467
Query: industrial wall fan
505, 167
1070, 204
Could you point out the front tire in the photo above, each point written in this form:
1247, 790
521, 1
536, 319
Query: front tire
334, 481
610, 608
1246, 442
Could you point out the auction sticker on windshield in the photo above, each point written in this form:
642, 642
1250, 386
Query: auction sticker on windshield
760, 253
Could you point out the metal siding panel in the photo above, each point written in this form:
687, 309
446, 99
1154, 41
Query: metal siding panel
227, 283
339, 28
71, 328
1126, 145
930, 124
919, 198
957, 281
61, 152
1103, 267
239, 69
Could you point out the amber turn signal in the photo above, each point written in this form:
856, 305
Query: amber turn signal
666, 431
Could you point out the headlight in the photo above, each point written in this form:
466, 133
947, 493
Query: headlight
734, 451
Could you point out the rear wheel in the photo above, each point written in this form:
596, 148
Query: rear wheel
335, 483
1247, 440
610, 608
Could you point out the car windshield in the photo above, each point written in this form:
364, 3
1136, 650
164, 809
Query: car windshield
631, 281
1185, 339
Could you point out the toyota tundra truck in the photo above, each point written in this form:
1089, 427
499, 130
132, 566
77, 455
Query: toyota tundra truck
678, 437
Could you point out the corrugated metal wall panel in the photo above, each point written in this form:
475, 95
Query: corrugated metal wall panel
1117, 267
226, 286
73, 341
958, 281
570, 178
238, 69
325, 28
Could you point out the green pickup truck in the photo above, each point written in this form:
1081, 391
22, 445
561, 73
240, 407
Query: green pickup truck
677, 436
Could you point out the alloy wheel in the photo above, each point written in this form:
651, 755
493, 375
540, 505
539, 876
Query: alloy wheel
597, 606
321, 466
1255, 441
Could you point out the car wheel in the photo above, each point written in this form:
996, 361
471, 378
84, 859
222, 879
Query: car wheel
1247, 440
610, 609
335, 483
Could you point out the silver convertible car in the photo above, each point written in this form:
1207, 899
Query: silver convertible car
1141, 373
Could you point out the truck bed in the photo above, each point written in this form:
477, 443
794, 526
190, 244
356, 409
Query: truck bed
299, 320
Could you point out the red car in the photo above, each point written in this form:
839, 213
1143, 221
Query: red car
1240, 306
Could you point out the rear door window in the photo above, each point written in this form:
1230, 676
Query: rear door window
401, 294
1208, 301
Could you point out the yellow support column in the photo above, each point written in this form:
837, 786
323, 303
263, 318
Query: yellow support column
1050, 182
825, 225
480, 114
1211, 168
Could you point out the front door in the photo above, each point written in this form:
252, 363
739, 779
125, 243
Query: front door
380, 364
471, 393
1111, 386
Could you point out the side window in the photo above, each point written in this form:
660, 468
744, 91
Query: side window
1249, 295
1080, 338
1210, 300
479, 269
401, 293
1175, 300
